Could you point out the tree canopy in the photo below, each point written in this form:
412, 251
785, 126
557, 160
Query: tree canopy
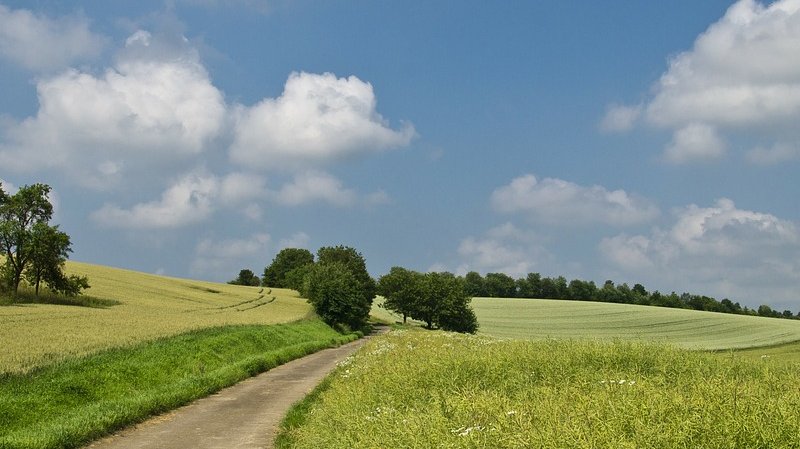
279, 273
34, 250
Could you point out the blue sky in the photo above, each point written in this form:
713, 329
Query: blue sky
651, 142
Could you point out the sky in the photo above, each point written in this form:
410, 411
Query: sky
643, 142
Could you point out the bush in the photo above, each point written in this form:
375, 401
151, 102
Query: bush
336, 295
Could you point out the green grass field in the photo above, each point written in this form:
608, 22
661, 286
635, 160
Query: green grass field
412, 389
534, 319
149, 307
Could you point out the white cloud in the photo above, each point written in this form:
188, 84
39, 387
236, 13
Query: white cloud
741, 75
317, 119
315, 186
95, 127
620, 117
238, 187
778, 153
694, 142
555, 201
37, 42
503, 249
222, 260
297, 240
311, 186
720, 250
7, 186
188, 201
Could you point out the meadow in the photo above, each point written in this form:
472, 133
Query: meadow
149, 307
140, 344
412, 389
535, 319
69, 403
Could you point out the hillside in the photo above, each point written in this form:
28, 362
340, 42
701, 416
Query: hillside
149, 307
539, 318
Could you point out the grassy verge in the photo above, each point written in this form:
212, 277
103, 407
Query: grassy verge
70, 403
413, 389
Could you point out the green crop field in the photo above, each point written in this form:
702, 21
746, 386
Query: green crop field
416, 388
537, 318
534, 319
149, 307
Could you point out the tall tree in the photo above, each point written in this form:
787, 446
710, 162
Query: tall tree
402, 290
287, 260
18, 215
354, 262
246, 277
49, 249
335, 294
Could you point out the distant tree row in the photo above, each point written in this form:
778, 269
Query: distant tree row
339, 287
534, 285
34, 252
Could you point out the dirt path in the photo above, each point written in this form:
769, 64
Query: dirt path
244, 416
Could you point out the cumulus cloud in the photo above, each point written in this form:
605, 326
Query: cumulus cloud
240, 187
95, 127
223, 259
620, 117
188, 201
719, 250
311, 186
317, 119
37, 42
741, 74
694, 142
503, 249
297, 240
778, 153
555, 201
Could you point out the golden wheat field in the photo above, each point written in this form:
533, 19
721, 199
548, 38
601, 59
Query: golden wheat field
150, 307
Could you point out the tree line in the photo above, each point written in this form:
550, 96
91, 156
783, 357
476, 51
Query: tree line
337, 284
34, 252
534, 285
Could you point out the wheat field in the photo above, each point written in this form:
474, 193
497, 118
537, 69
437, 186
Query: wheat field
150, 307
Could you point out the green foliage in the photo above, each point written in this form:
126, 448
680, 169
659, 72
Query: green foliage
438, 299
354, 262
68, 404
402, 291
500, 285
34, 251
246, 277
336, 295
277, 274
478, 392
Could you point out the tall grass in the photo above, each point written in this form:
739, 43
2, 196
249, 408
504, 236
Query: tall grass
69, 403
416, 389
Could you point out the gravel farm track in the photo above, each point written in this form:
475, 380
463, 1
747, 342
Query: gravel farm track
244, 416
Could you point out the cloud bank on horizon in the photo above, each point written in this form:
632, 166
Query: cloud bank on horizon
140, 133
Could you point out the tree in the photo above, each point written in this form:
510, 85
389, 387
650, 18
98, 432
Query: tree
474, 284
285, 261
18, 215
335, 293
49, 249
246, 277
401, 289
354, 262
500, 285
